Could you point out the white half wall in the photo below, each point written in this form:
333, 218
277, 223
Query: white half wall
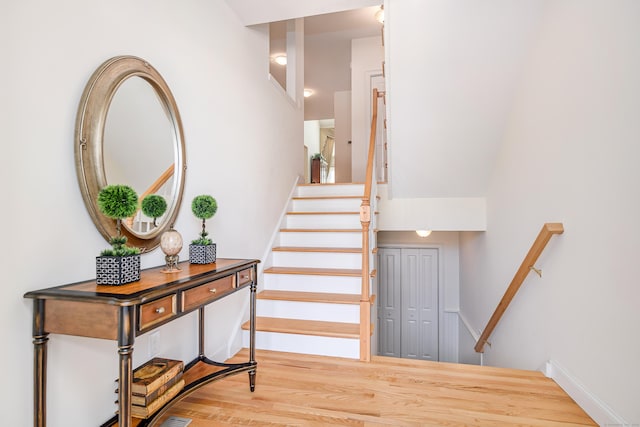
440, 214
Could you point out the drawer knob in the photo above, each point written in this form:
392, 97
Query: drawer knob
246, 276
160, 310
213, 290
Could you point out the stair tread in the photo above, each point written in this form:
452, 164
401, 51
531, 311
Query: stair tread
328, 184
321, 230
325, 297
306, 327
325, 197
323, 213
315, 271
316, 249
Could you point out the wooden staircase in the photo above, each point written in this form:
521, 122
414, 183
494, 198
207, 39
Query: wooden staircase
311, 298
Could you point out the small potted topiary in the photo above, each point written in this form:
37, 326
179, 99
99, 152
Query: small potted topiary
203, 250
153, 206
119, 264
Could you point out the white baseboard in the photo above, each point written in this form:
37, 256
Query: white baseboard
472, 333
266, 257
467, 325
594, 407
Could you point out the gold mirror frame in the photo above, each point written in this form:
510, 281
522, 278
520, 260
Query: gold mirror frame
90, 122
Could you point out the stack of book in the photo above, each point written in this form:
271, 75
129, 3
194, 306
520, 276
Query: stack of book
155, 383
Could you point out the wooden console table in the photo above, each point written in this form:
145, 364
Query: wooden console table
123, 312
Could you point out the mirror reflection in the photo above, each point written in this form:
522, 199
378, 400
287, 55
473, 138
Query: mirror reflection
138, 146
128, 131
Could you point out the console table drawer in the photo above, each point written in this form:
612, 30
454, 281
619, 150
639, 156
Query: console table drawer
245, 276
157, 311
199, 295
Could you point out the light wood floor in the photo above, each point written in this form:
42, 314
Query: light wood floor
302, 390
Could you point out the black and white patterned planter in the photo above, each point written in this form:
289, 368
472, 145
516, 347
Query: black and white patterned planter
202, 254
117, 270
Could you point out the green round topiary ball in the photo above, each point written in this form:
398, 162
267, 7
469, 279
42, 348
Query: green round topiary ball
204, 206
118, 201
153, 206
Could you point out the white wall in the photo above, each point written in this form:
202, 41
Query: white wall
242, 138
367, 55
451, 69
570, 154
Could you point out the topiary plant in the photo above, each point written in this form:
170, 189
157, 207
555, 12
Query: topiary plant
203, 207
118, 202
153, 206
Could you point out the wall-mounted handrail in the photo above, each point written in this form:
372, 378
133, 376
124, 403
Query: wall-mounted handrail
548, 230
365, 220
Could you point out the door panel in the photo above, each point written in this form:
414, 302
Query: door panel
429, 304
389, 302
410, 277
408, 304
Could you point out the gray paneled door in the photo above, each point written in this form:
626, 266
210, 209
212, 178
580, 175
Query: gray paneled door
408, 303
389, 302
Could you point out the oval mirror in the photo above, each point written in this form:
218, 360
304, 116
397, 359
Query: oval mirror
128, 131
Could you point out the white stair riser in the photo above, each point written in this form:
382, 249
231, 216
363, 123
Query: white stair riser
303, 283
326, 221
348, 313
322, 239
305, 344
330, 190
317, 259
326, 205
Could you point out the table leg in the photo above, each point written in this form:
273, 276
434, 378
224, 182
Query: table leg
201, 354
126, 338
40, 338
252, 331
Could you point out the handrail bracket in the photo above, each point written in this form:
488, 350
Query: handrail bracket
536, 270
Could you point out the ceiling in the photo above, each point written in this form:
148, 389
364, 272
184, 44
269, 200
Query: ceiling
327, 53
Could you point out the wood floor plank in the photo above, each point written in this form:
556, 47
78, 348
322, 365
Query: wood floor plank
305, 390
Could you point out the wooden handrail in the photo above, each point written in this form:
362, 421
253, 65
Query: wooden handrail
548, 230
365, 220
372, 146
162, 179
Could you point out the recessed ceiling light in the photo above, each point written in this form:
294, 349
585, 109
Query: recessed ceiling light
423, 233
307, 93
281, 59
